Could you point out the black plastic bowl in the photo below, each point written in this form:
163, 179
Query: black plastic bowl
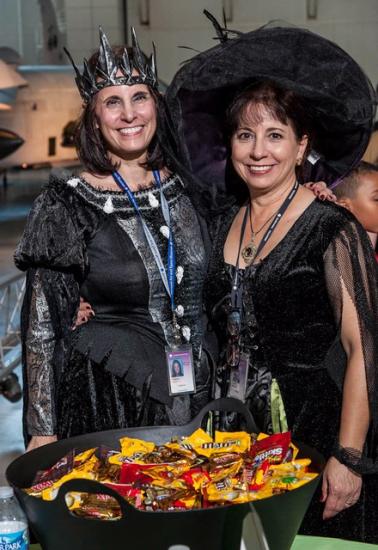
211, 529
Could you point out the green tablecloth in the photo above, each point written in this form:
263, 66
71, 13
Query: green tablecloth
319, 543
311, 543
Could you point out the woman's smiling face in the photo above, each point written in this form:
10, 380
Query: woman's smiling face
265, 151
126, 117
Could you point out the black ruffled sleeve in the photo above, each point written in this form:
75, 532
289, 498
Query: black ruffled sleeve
351, 270
52, 251
56, 229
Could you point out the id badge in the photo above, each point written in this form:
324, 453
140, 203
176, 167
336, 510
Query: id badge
238, 378
180, 370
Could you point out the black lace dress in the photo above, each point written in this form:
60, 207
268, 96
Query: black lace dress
110, 372
292, 309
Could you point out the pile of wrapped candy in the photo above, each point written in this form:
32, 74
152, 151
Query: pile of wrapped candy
187, 473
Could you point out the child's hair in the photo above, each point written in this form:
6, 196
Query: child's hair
347, 188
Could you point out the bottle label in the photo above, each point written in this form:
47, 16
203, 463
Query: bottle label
14, 541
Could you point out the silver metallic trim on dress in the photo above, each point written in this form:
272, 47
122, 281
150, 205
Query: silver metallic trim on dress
105, 73
187, 234
100, 197
158, 307
40, 342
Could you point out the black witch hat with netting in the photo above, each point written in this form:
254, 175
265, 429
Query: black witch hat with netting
340, 96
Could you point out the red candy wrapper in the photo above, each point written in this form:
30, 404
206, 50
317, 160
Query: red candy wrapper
273, 448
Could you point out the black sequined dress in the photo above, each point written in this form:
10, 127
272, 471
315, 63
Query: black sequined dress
292, 309
110, 372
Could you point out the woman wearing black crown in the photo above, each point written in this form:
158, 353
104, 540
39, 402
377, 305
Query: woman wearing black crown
125, 237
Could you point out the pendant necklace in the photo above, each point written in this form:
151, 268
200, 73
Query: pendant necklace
249, 252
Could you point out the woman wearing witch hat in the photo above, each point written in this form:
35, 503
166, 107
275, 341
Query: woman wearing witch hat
124, 236
292, 287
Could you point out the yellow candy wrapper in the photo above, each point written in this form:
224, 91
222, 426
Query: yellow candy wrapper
197, 439
237, 442
294, 466
228, 490
183, 449
264, 492
169, 483
86, 470
230, 471
131, 447
132, 451
84, 456
290, 482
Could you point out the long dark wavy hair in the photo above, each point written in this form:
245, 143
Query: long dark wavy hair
90, 145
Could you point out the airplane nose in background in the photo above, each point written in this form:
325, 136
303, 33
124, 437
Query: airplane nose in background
9, 142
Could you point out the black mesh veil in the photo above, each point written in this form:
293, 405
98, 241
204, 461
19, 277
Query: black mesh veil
341, 97
351, 273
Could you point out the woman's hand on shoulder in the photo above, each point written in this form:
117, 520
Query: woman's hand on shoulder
341, 488
321, 191
39, 440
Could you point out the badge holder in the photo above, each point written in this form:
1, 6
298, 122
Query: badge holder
181, 379
238, 378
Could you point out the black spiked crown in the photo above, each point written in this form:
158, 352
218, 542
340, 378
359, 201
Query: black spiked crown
89, 82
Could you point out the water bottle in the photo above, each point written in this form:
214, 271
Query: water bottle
13, 522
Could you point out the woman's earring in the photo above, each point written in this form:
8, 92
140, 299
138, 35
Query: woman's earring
299, 162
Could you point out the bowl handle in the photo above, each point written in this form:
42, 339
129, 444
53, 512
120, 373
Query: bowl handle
229, 404
90, 486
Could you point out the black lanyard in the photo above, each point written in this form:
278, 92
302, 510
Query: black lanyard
237, 287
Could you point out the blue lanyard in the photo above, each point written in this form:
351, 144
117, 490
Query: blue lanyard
168, 275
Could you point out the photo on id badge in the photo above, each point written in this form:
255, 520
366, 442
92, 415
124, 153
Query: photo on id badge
180, 370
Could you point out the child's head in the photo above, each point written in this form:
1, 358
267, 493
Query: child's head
358, 192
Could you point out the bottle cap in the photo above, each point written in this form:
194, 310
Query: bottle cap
6, 492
